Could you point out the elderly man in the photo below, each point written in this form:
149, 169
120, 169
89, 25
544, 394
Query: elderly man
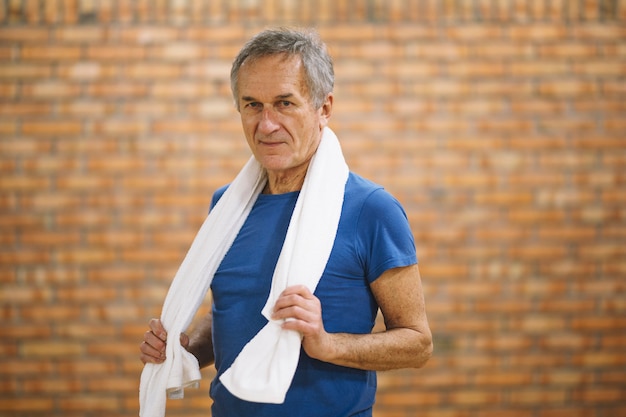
282, 82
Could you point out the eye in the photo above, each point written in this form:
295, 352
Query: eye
285, 103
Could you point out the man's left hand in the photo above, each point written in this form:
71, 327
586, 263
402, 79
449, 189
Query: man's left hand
302, 312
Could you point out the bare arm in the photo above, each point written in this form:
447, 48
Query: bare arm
406, 342
201, 341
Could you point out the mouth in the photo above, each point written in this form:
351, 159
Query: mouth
270, 143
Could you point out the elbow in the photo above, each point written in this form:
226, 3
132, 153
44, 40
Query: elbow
423, 350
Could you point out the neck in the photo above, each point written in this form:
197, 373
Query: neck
281, 184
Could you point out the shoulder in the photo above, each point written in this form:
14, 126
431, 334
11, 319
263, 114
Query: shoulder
370, 198
382, 234
218, 194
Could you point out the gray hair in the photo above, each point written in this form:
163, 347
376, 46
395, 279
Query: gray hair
318, 65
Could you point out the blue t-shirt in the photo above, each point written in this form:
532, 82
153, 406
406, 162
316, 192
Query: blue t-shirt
373, 236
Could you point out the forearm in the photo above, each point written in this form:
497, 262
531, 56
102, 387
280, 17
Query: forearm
387, 350
201, 342
406, 342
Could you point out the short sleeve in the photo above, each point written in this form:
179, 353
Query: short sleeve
385, 240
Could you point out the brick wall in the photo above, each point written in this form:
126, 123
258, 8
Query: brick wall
499, 124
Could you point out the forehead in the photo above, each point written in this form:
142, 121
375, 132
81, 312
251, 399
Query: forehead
272, 75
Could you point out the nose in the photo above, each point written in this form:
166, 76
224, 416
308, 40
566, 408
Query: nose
268, 123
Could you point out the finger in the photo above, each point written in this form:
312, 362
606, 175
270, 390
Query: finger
184, 340
305, 325
157, 329
301, 290
150, 354
152, 340
306, 301
296, 312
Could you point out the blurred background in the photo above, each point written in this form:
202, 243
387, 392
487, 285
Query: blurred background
499, 124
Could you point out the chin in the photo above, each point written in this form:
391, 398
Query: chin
273, 163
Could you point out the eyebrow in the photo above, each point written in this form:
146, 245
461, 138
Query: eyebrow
278, 97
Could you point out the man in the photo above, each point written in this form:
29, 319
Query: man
282, 82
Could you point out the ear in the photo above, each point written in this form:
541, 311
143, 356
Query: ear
326, 111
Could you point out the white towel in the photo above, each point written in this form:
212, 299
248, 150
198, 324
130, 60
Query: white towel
264, 369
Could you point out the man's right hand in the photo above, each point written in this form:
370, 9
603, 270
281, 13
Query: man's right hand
154, 340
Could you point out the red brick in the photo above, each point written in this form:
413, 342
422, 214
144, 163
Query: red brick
141, 71
93, 366
566, 342
50, 53
43, 313
115, 313
111, 348
84, 256
533, 216
567, 234
411, 398
115, 52
600, 68
568, 88
599, 395
538, 32
496, 49
600, 359
570, 49
503, 306
26, 34
18, 71
505, 342
147, 108
90, 403
177, 52
474, 32
84, 183
567, 378
52, 128
84, 108
75, 331
50, 90
50, 164
120, 127
49, 349
564, 411
145, 35
23, 332
181, 127
20, 183
25, 109
599, 31
613, 88
120, 89
26, 404
24, 257
50, 202
87, 71
469, 398
51, 239
503, 378
80, 34
51, 386
538, 396
152, 256
539, 68
178, 238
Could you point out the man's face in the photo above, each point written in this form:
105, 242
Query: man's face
281, 125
